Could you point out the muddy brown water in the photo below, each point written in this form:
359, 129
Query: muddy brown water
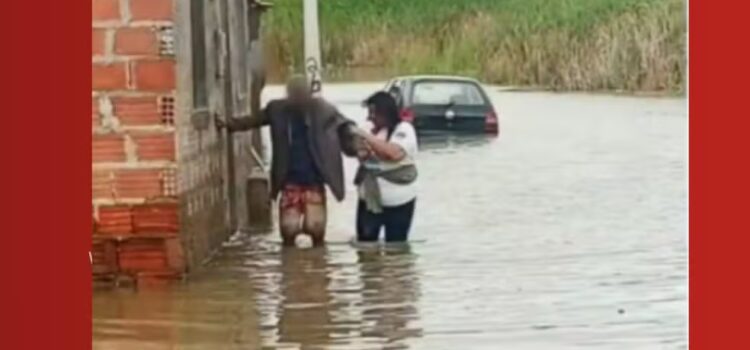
566, 232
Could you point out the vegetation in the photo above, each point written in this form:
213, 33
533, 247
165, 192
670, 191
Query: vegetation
633, 45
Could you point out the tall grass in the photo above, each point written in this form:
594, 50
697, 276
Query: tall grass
560, 44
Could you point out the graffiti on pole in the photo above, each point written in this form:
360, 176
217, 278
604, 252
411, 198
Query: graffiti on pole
313, 72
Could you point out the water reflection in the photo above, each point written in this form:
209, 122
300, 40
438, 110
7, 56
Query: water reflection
390, 295
198, 316
305, 313
339, 298
123, 307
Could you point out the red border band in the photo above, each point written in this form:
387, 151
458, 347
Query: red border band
45, 291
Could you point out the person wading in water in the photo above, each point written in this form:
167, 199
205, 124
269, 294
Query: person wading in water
387, 174
308, 136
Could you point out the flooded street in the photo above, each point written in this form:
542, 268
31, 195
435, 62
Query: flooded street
566, 232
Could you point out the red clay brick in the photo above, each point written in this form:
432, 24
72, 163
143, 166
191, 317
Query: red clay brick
155, 146
94, 112
136, 110
143, 262
108, 148
108, 76
115, 220
155, 218
103, 256
101, 184
97, 41
136, 41
102, 10
138, 183
137, 255
151, 10
155, 75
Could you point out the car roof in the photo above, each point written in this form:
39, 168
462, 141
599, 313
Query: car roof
437, 77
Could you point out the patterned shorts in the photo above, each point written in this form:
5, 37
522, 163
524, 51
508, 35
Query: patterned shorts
296, 197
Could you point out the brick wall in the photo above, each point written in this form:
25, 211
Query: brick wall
162, 181
202, 151
134, 182
203, 165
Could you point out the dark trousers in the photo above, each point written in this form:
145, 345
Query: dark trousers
396, 220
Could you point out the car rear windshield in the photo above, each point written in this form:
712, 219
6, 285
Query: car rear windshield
436, 92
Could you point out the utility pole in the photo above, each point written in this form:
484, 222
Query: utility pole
313, 63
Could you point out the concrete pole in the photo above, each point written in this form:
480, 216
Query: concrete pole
313, 63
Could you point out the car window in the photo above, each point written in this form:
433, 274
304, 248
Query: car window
445, 92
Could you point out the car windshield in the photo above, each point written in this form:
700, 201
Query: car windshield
445, 92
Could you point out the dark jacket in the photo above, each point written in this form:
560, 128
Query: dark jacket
328, 136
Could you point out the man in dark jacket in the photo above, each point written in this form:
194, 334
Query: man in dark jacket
308, 136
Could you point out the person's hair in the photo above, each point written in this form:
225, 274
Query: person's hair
385, 105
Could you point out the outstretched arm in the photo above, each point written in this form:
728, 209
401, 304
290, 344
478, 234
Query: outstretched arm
245, 123
248, 122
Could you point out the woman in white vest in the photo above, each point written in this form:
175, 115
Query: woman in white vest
387, 176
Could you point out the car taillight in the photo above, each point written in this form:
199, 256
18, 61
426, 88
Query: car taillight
407, 115
491, 123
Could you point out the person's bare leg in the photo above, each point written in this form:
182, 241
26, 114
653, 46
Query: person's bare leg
315, 217
290, 225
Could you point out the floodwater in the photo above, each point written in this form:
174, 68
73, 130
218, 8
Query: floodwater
567, 232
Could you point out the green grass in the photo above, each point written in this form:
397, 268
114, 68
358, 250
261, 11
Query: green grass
560, 44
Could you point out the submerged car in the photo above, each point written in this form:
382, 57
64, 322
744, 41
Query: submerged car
444, 104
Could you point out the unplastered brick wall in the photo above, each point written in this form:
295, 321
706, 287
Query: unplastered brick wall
202, 157
134, 202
